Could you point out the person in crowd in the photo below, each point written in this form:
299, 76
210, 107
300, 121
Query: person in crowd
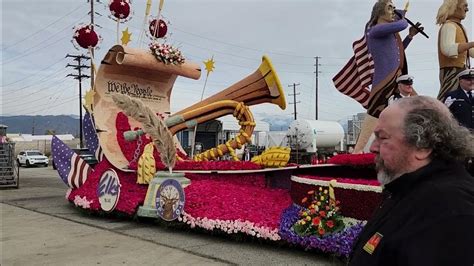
427, 211
454, 49
404, 88
460, 101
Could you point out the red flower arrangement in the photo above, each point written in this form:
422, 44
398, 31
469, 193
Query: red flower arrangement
365, 159
321, 217
132, 194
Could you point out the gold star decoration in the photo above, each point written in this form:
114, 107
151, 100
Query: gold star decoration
89, 100
209, 65
126, 36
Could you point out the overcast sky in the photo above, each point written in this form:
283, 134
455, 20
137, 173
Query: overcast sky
36, 36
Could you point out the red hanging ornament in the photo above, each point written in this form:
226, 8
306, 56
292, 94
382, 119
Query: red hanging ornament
86, 37
120, 9
161, 31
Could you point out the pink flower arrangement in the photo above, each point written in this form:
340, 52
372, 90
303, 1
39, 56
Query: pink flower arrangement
167, 54
82, 202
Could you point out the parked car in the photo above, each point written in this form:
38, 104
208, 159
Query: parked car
85, 155
31, 157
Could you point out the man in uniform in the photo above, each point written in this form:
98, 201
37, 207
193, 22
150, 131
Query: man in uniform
404, 88
460, 101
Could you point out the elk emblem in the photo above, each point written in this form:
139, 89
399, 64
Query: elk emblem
171, 200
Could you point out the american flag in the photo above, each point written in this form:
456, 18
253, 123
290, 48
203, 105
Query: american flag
355, 77
90, 135
71, 168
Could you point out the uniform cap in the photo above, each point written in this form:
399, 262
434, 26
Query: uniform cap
405, 79
466, 74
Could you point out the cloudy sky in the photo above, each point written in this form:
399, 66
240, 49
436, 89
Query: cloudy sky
36, 36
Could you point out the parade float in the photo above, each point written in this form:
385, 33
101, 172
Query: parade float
144, 172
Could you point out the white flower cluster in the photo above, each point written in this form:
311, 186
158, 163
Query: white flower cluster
82, 202
231, 226
167, 54
68, 192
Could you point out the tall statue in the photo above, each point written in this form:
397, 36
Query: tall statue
454, 49
379, 64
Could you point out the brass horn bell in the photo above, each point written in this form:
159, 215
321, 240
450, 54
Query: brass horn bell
262, 86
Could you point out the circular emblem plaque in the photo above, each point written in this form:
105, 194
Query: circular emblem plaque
108, 190
170, 200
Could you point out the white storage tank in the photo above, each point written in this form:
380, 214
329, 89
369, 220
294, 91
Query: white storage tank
310, 135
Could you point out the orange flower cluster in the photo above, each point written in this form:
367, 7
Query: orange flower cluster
322, 216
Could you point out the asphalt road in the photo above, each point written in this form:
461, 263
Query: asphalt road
40, 227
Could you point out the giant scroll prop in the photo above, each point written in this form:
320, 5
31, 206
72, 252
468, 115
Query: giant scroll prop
138, 74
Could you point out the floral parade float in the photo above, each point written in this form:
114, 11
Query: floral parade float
129, 128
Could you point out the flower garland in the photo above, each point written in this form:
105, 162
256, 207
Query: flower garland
216, 165
167, 54
231, 226
339, 243
346, 183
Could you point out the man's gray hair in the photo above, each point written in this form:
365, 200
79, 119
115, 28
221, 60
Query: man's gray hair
429, 124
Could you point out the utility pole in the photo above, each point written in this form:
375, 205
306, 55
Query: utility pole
316, 58
92, 13
294, 97
33, 127
79, 76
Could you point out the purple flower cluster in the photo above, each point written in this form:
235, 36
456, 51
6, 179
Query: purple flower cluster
339, 243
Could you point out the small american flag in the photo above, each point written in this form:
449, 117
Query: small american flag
355, 77
90, 134
71, 168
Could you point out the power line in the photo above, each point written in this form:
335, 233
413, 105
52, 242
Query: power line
57, 83
44, 79
49, 25
27, 77
25, 52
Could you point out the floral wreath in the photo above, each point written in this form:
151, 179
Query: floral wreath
167, 54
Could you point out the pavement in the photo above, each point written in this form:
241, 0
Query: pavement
40, 227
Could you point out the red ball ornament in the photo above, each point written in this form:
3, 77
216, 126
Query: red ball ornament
162, 28
86, 37
120, 9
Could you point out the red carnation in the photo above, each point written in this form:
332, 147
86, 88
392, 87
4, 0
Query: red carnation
322, 213
321, 231
330, 224
316, 221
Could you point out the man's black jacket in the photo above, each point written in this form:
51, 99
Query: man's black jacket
426, 218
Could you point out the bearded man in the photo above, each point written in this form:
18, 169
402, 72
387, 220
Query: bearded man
427, 213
